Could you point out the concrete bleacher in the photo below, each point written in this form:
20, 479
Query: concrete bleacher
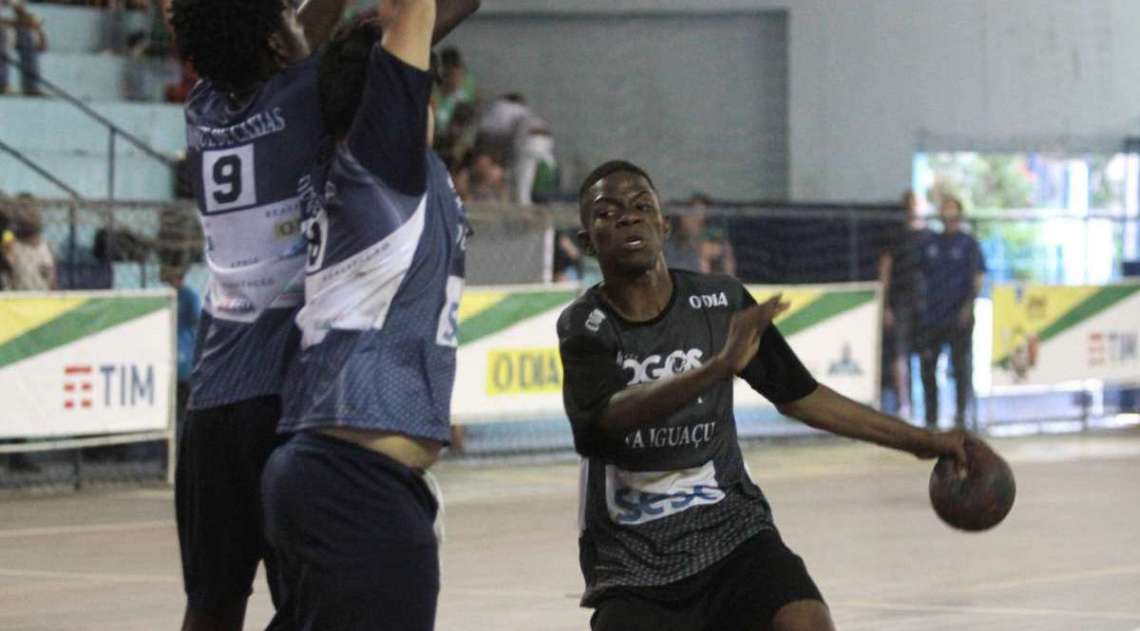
74, 147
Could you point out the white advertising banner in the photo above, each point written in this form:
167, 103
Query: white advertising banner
1049, 335
509, 368
86, 363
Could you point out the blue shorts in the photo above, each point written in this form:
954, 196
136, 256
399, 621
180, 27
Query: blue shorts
352, 532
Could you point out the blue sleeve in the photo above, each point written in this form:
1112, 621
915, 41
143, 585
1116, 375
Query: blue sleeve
389, 133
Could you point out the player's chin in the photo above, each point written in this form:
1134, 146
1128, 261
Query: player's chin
636, 262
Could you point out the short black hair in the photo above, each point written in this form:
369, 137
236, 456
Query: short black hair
343, 72
225, 40
609, 168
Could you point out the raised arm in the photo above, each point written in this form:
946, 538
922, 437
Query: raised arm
830, 411
409, 34
449, 13
320, 18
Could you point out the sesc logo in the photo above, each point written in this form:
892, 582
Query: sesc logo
637, 497
657, 367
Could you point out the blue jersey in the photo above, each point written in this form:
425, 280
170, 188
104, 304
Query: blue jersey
384, 273
949, 264
245, 160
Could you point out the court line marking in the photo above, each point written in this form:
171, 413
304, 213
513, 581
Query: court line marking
1054, 578
89, 576
1006, 611
48, 531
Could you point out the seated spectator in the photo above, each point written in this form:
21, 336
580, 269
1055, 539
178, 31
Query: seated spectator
457, 87
458, 138
488, 179
30, 42
30, 262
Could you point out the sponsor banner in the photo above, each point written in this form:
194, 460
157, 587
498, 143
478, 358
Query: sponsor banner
1045, 335
82, 363
509, 368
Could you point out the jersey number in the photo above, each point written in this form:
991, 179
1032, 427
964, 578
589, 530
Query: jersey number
447, 334
227, 178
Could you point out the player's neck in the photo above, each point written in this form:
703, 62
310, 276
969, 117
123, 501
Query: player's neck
639, 297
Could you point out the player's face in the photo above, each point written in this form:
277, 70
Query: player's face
622, 221
951, 214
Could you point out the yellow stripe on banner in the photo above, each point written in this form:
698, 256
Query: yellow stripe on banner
477, 301
797, 298
1024, 312
19, 315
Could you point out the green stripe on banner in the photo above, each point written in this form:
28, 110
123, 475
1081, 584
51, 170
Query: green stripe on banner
1094, 304
823, 308
510, 311
91, 317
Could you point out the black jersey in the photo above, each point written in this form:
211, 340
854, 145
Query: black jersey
671, 498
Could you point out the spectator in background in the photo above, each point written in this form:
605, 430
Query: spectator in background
519, 137
189, 308
457, 87
114, 26
901, 272
454, 141
953, 268
685, 247
567, 263
6, 237
135, 70
30, 42
30, 262
487, 181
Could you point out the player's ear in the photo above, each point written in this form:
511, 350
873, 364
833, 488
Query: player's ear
668, 227
586, 244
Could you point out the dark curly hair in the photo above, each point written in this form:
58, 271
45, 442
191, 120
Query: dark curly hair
225, 40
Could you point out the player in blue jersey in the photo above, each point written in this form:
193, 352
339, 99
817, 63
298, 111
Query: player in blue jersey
253, 127
348, 510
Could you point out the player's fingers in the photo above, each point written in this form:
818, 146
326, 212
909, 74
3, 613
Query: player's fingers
961, 458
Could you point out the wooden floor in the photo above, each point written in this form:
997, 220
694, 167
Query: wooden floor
1067, 558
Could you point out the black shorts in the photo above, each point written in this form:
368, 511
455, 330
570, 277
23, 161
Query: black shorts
743, 592
352, 531
217, 499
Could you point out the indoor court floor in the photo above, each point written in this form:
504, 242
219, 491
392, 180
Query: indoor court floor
1067, 558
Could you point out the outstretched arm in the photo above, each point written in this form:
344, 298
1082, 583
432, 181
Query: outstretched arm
449, 13
320, 18
408, 36
830, 411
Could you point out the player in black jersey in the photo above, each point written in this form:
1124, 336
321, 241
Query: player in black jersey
674, 533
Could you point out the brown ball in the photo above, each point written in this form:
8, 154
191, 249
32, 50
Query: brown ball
979, 501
